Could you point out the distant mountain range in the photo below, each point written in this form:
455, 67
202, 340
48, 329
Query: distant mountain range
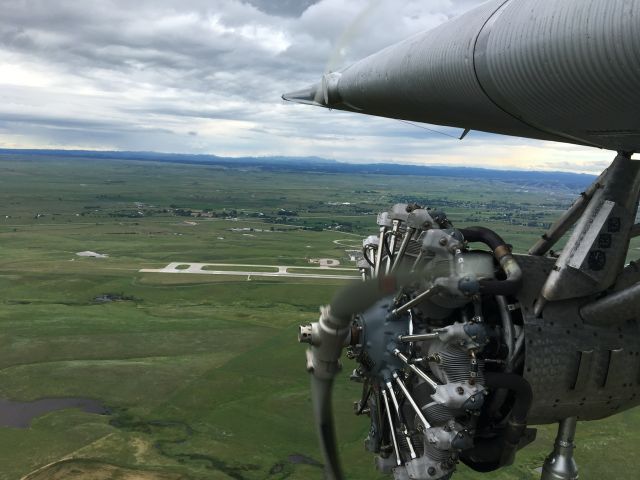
571, 181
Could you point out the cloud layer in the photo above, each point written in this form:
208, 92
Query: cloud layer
205, 76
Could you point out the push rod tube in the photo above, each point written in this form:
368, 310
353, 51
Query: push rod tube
403, 248
415, 301
419, 337
411, 401
403, 426
415, 369
380, 253
392, 245
391, 427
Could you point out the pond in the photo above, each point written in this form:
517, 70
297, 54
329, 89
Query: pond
20, 414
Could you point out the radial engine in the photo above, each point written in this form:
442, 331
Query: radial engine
454, 357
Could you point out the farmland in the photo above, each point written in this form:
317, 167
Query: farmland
201, 375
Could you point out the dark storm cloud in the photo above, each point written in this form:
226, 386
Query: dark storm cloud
286, 8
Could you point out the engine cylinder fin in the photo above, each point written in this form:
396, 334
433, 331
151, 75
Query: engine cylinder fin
435, 453
413, 248
438, 414
455, 365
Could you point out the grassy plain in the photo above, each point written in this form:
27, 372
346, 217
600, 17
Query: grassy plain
203, 374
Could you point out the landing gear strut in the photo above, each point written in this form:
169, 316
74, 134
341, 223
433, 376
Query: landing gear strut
560, 465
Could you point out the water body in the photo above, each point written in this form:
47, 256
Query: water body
20, 414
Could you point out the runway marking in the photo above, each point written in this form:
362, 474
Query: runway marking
283, 271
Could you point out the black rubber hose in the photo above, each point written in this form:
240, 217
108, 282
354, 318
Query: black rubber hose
490, 455
386, 248
498, 287
366, 257
502, 253
518, 385
484, 235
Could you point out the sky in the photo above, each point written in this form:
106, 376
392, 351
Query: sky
206, 76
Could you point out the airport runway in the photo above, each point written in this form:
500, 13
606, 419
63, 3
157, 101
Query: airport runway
282, 271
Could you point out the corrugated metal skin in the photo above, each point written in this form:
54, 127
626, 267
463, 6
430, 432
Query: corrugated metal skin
431, 78
570, 67
563, 70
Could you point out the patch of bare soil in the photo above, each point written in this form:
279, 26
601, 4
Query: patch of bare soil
93, 470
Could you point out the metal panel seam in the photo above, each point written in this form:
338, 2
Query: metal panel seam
483, 36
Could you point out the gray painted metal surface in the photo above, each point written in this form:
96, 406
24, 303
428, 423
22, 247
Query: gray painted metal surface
567, 71
569, 67
595, 254
614, 308
575, 369
560, 465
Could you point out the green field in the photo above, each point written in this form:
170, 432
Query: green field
202, 373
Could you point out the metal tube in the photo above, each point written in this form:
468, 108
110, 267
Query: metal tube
412, 451
392, 244
519, 343
419, 337
418, 260
403, 248
508, 330
380, 251
391, 427
415, 369
410, 323
412, 303
560, 465
411, 401
514, 345
566, 221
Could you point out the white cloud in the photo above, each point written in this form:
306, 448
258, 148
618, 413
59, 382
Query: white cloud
205, 76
